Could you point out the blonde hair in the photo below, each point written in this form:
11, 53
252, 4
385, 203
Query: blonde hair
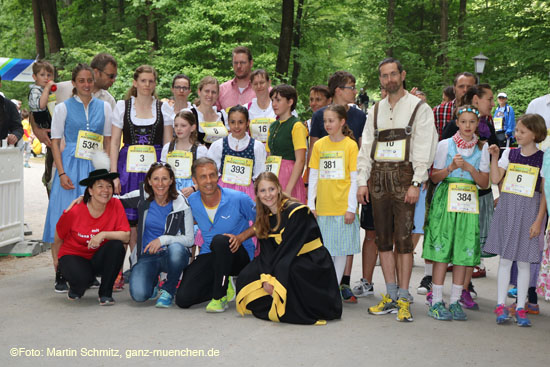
205, 81
261, 225
132, 92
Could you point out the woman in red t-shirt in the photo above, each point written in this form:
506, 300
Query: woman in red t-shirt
89, 238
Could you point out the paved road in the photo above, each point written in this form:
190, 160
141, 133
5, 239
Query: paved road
36, 321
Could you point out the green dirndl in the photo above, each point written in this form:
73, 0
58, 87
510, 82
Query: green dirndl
451, 237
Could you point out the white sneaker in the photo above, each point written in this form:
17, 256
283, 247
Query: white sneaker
363, 288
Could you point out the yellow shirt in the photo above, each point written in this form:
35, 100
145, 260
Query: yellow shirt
333, 160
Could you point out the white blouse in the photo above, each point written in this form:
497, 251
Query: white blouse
118, 116
216, 150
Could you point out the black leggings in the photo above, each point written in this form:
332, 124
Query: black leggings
207, 276
106, 262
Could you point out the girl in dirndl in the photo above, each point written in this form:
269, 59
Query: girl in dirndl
333, 187
520, 214
452, 231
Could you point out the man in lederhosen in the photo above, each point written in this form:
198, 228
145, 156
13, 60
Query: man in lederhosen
398, 148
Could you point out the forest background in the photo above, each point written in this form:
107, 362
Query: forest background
300, 42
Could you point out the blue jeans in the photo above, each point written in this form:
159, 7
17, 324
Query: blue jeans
144, 276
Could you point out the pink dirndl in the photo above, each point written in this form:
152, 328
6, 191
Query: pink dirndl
299, 191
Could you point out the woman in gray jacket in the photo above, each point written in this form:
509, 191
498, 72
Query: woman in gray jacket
165, 234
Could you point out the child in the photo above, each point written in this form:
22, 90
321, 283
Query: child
333, 181
520, 213
286, 143
42, 73
452, 228
239, 158
183, 150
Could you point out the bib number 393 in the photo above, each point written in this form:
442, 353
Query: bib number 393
237, 170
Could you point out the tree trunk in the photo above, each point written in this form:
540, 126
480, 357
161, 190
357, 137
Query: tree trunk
121, 9
103, 12
38, 30
389, 27
48, 9
152, 29
444, 35
285, 38
461, 19
297, 37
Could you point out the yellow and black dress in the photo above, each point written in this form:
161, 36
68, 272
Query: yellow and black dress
295, 262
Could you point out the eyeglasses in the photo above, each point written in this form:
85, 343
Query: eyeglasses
348, 87
183, 89
110, 76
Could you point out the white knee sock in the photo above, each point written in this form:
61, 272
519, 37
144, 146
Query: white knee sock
524, 272
428, 268
339, 266
437, 293
456, 292
503, 280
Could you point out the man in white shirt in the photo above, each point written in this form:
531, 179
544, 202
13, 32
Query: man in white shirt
541, 105
398, 148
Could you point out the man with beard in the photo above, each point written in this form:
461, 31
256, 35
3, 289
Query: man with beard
398, 148
238, 91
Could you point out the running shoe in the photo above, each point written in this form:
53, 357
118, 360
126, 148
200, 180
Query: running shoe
231, 289
456, 310
155, 293
72, 296
479, 272
387, 305
60, 285
425, 285
95, 284
347, 294
165, 299
533, 308
439, 312
363, 288
466, 301
404, 312
513, 293
106, 301
429, 297
119, 283
472, 291
217, 305
521, 317
502, 313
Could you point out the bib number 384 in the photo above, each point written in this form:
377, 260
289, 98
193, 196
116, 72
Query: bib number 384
462, 198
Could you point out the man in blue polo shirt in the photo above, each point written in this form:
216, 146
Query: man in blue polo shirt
223, 216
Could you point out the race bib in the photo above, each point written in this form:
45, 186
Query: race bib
140, 158
393, 151
87, 142
520, 179
259, 128
181, 162
331, 166
498, 123
213, 131
273, 164
462, 198
237, 170
51, 103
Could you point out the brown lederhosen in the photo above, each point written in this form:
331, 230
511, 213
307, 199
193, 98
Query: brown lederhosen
388, 185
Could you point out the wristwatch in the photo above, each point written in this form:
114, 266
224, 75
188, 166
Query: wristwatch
416, 184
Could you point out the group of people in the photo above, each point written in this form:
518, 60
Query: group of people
273, 201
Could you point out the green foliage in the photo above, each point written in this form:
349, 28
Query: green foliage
523, 90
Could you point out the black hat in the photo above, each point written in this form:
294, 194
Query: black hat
98, 174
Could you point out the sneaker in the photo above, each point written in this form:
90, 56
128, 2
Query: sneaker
119, 283
439, 312
155, 293
217, 305
404, 313
532, 308
165, 299
479, 272
95, 284
347, 294
456, 310
126, 276
27, 165
363, 288
429, 297
71, 296
472, 291
425, 285
61, 286
387, 305
502, 313
521, 317
231, 290
106, 301
466, 301
513, 293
